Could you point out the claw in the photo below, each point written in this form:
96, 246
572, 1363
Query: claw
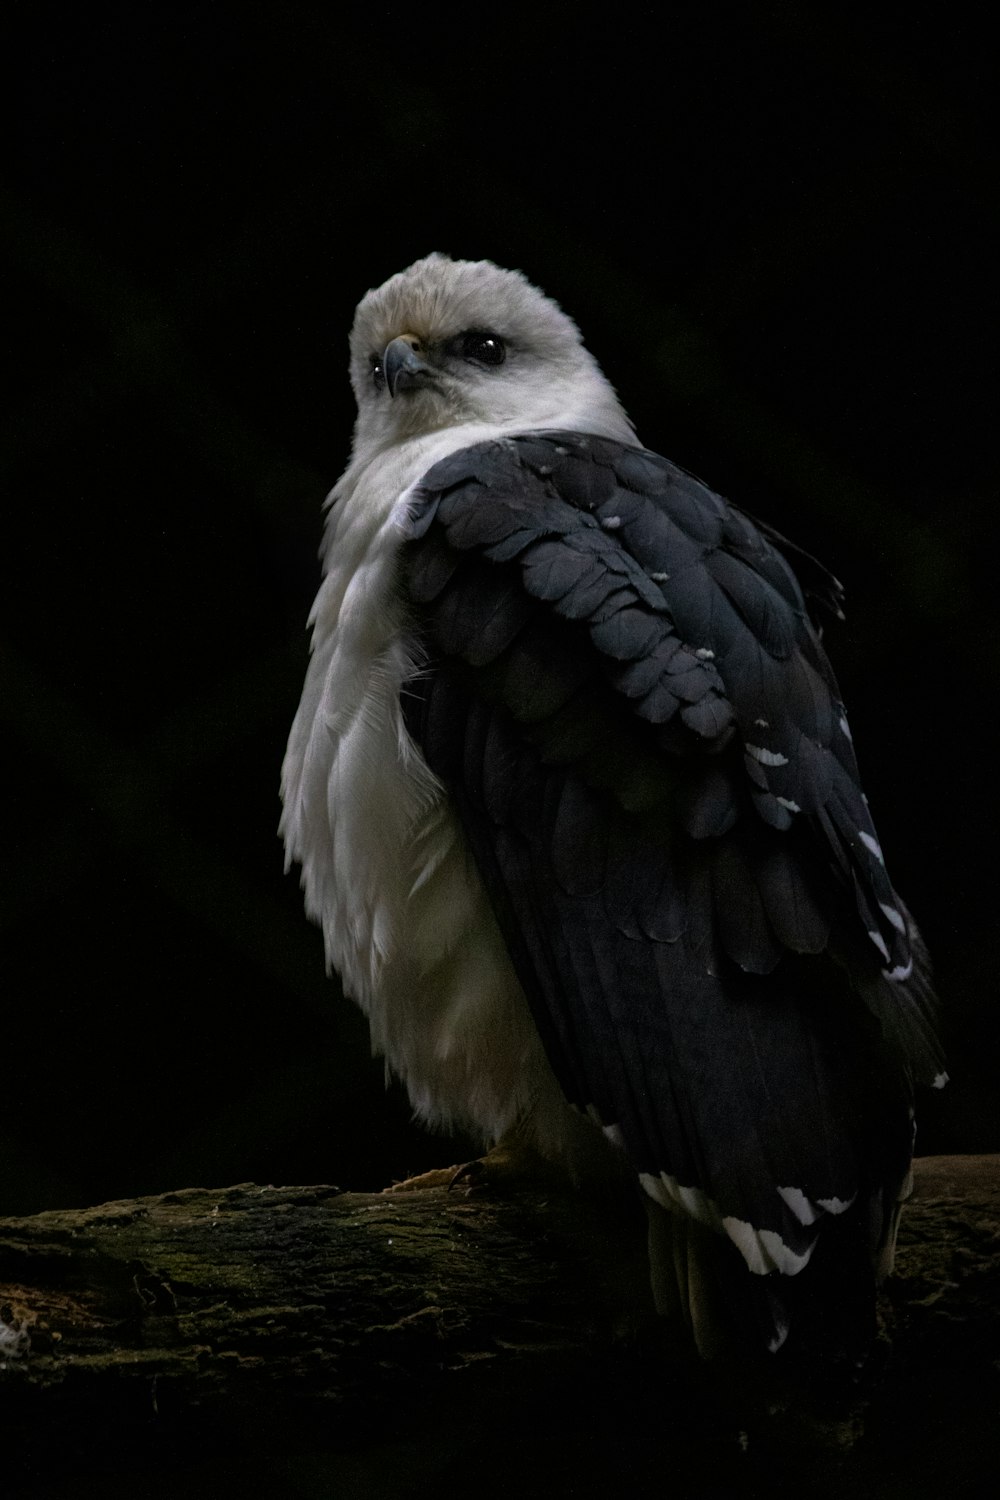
475, 1170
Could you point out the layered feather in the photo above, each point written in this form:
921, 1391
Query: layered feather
629, 703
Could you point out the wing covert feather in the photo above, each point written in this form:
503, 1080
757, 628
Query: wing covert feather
630, 704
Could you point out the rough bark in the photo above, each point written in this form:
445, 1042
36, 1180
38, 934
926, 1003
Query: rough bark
240, 1292
305, 1310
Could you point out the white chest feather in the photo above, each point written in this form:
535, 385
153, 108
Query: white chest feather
385, 868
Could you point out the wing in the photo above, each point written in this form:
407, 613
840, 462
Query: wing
627, 698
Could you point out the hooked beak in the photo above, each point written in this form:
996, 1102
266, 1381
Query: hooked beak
404, 366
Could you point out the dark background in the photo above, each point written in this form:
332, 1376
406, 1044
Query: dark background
774, 224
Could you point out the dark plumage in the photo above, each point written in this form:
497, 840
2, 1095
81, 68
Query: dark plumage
625, 694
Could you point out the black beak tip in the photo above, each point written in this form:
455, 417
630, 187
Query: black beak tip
405, 368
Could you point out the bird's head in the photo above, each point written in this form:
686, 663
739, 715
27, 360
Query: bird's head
455, 344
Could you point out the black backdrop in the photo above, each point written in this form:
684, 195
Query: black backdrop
772, 222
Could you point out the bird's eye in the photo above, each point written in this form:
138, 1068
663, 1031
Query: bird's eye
378, 372
485, 348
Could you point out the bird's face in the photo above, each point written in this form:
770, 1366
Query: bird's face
461, 343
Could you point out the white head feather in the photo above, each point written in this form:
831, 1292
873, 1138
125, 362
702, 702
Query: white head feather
547, 380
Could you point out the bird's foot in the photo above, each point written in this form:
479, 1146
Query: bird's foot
510, 1163
437, 1178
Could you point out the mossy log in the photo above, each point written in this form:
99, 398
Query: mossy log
308, 1308
241, 1292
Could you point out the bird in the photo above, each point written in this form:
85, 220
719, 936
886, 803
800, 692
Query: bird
576, 805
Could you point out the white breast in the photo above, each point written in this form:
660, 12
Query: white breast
385, 868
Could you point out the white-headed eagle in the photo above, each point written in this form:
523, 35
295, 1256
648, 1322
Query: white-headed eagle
577, 808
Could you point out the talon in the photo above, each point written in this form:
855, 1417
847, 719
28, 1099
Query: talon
472, 1169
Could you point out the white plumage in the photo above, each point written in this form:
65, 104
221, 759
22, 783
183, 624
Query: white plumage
385, 868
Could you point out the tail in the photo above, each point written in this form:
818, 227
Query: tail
823, 1318
685, 1281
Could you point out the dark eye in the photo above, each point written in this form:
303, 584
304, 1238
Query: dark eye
378, 372
484, 348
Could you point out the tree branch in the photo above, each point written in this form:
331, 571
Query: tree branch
275, 1305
